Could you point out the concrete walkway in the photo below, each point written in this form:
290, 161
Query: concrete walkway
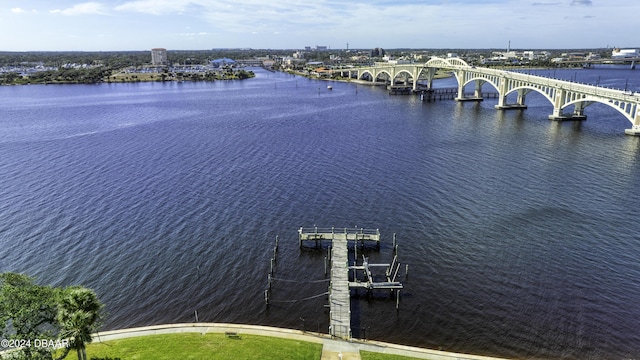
331, 349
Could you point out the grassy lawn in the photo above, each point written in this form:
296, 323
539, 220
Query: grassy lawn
366, 355
207, 346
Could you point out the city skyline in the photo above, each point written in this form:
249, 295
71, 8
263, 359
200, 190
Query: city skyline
67, 25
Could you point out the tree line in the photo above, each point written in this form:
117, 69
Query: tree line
122, 59
33, 315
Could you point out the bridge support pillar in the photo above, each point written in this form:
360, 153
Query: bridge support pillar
577, 115
635, 128
522, 95
558, 115
568, 117
431, 73
634, 131
477, 92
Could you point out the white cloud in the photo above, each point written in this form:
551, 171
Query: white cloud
88, 8
156, 7
361, 23
202, 33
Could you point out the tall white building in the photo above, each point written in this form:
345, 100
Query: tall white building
625, 53
159, 56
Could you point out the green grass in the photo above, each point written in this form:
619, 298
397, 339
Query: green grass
198, 346
366, 355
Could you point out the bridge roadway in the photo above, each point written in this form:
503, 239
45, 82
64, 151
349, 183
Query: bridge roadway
569, 99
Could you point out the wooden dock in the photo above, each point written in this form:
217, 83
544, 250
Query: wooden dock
339, 292
317, 235
340, 286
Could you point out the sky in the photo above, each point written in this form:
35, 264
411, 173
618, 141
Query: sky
118, 25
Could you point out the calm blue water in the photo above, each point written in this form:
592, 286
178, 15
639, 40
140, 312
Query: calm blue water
521, 234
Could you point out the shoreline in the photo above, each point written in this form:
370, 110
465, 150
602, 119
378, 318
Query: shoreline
330, 345
123, 77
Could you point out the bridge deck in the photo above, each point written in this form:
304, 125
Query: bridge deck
568, 98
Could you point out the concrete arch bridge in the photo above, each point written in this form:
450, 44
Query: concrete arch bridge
569, 99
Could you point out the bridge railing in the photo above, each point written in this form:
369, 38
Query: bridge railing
334, 230
587, 89
562, 84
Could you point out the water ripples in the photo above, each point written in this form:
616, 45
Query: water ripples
166, 199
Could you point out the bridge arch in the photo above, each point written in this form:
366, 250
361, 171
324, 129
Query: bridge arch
408, 73
484, 79
618, 106
377, 75
561, 94
361, 76
451, 63
423, 71
531, 88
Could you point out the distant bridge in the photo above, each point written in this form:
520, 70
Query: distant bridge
632, 61
569, 99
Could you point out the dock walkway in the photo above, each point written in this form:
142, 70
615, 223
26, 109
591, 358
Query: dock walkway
339, 293
339, 288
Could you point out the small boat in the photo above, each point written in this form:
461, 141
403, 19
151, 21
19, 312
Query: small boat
329, 87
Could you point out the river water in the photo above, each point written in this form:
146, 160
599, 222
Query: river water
522, 235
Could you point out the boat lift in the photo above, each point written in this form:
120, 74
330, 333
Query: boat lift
370, 283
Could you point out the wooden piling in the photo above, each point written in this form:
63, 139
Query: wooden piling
325, 266
354, 272
355, 249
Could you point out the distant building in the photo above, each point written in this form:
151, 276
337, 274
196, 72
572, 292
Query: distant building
593, 56
159, 56
321, 48
222, 62
377, 52
293, 62
625, 53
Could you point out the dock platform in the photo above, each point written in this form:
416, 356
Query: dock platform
319, 234
340, 286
